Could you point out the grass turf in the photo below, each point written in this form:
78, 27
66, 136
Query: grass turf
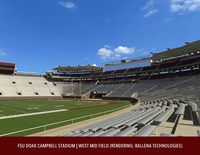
12, 107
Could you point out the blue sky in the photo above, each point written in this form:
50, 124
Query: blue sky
40, 34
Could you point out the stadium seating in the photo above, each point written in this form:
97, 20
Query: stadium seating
26, 86
159, 99
135, 89
135, 122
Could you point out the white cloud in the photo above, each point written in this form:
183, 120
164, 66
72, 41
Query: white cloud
104, 53
180, 6
95, 65
117, 55
150, 9
150, 13
68, 5
124, 50
2, 53
107, 52
148, 5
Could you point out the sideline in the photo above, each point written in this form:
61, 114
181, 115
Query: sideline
32, 114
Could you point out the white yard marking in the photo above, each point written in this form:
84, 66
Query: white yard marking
32, 108
59, 105
32, 114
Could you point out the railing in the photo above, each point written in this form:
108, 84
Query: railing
71, 121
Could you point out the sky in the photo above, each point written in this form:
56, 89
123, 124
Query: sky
39, 35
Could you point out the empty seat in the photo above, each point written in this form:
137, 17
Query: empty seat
128, 131
180, 110
146, 131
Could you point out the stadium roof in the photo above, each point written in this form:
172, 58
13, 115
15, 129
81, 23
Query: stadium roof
176, 52
124, 61
88, 68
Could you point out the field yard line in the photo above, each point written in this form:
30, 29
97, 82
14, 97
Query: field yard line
59, 105
33, 108
31, 114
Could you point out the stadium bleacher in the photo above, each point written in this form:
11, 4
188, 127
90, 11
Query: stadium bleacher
142, 121
26, 86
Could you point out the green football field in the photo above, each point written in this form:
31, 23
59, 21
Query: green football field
25, 117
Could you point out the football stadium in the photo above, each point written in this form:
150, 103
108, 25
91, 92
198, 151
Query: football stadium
157, 95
